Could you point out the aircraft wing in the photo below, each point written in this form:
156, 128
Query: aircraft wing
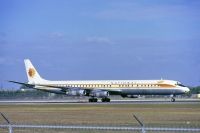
64, 89
53, 86
33, 85
21, 83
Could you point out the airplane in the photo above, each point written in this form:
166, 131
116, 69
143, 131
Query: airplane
95, 89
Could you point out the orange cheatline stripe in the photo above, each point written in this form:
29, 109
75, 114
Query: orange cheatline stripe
166, 85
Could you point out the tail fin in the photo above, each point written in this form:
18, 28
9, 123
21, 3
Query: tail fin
32, 74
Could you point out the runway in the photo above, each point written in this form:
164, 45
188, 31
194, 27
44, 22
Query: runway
135, 101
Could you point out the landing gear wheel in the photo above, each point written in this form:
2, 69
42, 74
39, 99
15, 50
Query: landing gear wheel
93, 100
173, 99
105, 99
108, 99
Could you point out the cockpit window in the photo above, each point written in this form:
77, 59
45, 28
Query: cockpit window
179, 84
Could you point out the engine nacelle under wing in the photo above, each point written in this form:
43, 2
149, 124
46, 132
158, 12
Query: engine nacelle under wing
99, 93
76, 92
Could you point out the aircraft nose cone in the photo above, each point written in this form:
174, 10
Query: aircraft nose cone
186, 89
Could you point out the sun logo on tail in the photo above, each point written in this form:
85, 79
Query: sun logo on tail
31, 72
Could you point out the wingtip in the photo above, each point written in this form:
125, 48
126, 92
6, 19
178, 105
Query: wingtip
11, 81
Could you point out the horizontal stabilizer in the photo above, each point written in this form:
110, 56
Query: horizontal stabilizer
21, 83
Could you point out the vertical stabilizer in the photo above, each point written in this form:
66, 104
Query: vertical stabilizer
32, 74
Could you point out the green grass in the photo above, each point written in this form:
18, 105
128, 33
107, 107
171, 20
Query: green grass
160, 115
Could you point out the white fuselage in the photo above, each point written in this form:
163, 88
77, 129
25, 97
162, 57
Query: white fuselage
129, 87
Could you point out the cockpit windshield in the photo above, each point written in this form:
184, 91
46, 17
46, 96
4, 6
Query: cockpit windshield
179, 84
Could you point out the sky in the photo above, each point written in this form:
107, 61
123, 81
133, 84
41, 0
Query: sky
100, 40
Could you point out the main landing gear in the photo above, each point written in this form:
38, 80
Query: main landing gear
94, 99
105, 99
173, 98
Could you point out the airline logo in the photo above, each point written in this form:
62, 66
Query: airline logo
31, 72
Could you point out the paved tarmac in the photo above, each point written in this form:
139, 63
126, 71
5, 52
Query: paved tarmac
135, 101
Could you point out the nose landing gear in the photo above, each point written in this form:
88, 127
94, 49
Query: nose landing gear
172, 98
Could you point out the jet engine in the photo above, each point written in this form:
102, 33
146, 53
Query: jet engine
100, 94
76, 92
23, 90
